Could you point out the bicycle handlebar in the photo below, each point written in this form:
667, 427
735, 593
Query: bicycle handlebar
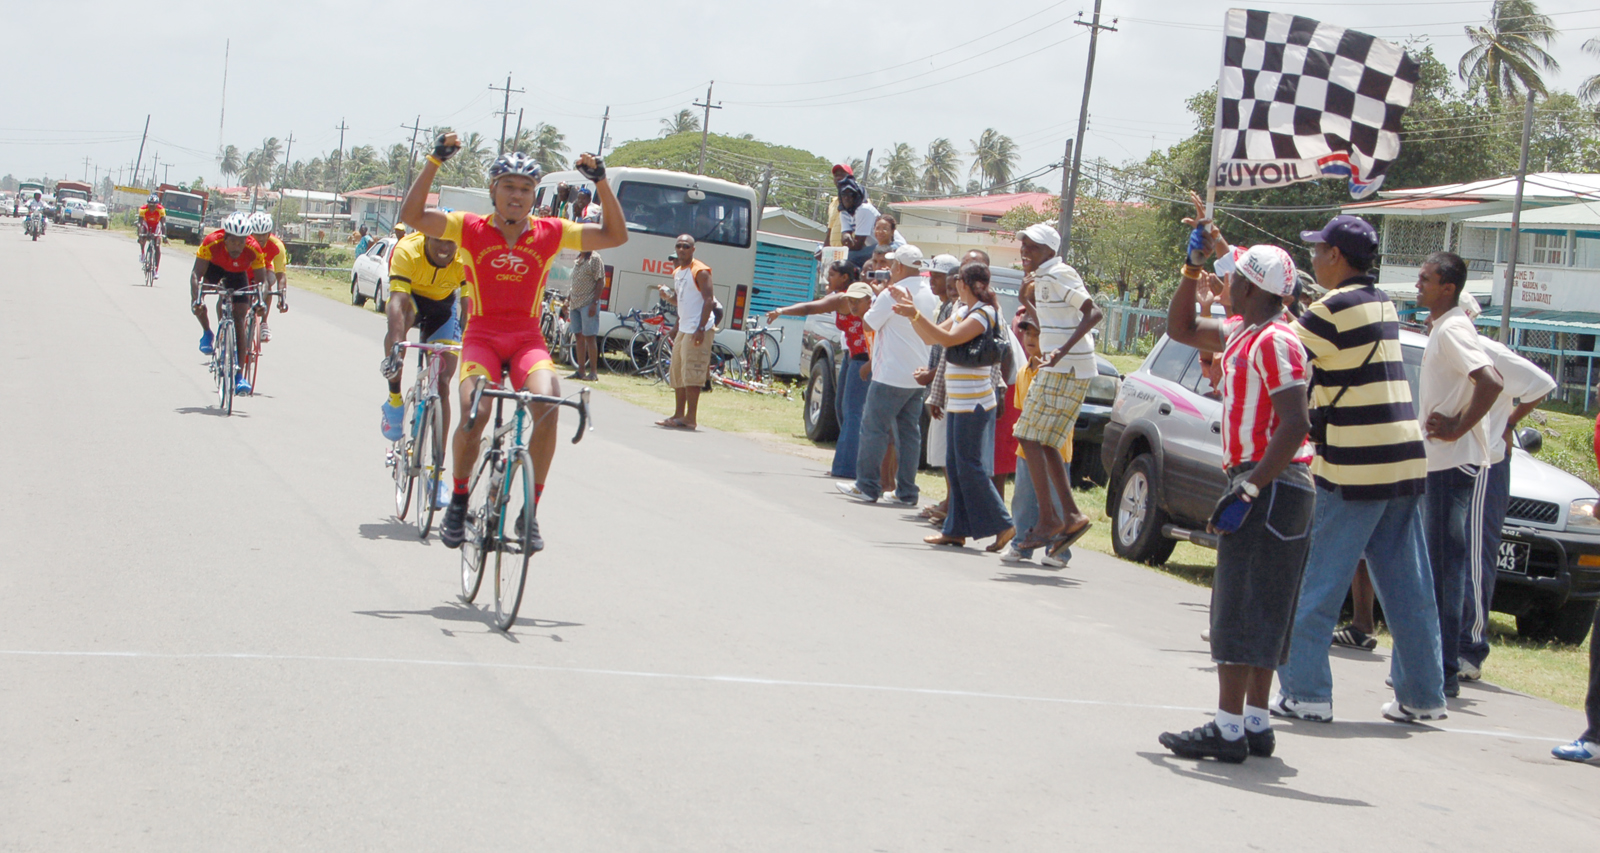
433, 348
527, 397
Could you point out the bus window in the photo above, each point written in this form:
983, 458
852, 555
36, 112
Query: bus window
666, 211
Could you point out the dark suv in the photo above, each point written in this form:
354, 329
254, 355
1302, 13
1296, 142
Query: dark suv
1163, 451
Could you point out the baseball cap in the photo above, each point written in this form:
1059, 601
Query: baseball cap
1353, 236
859, 290
908, 254
840, 167
1044, 235
1469, 305
1269, 268
945, 264
1226, 264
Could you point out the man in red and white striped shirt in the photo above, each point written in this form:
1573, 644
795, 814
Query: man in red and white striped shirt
1264, 520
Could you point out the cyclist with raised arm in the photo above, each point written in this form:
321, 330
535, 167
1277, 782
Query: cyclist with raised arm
276, 257
229, 257
509, 254
425, 279
152, 221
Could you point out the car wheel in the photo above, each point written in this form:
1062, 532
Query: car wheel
1567, 625
355, 292
380, 298
821, 420
1137, 518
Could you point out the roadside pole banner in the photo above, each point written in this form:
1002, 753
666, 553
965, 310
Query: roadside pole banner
1299, 100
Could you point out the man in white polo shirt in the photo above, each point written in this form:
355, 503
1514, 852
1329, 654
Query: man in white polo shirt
894, 397
1457, 387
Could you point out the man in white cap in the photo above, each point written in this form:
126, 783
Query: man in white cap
1263, 518
894, 397
1054, 293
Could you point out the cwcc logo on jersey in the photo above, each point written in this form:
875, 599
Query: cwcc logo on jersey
509, 265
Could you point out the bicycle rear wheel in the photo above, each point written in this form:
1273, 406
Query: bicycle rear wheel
405, 472
642, 351
149, 267
613, 350
763, 357
482, 518
252, 342
517, 512
428, 464
227, 364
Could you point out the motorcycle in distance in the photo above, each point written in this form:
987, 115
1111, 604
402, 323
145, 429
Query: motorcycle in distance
34, 226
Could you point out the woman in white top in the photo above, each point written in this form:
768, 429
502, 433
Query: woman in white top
975, 510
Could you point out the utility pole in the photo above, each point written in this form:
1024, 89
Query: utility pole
517, 137
338, 167
284, 181
86, 169
166, 174
766, 187
137, 160
1516, 224
866, 171
705, 124
600, 150
1066, 185
505, 112
1071, 197
222, 111
155, 163
411, 156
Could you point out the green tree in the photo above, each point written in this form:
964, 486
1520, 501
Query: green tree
1589, 90
683, 121
900, 178
260, 164
941, 168
232, 161
549, 147
466, 168
1507, 56
198, 186
799, 178
994, 157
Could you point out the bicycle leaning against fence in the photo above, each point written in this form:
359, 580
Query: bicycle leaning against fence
419, 453
501, 509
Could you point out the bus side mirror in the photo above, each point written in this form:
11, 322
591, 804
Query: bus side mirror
695, 196
1530, 439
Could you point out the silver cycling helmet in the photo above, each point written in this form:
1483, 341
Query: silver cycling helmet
154, 199
237, 224
261, 223
515, 163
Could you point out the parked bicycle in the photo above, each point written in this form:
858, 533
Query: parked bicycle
754, 364
419, 454
501, 509
225, 346
616, 346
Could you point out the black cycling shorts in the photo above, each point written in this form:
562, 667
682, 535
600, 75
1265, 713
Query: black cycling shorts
433, 315
234, 281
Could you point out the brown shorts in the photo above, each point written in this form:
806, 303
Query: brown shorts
690, 364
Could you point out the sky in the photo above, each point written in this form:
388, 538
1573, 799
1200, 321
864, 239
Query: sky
835, 78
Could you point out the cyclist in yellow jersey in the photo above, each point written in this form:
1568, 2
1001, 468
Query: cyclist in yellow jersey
509, 254
276, 257
425, 278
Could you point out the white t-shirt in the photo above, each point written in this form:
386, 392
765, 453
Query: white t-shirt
1523, 380
897, 351
861, 222
1454, 351
690, 300
1059, 296
970, 388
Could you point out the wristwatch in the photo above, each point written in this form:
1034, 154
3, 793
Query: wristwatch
1250, 489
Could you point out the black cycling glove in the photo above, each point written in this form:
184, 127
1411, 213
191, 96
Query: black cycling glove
443, 151
597, 172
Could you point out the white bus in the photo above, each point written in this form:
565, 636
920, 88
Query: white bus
660, 205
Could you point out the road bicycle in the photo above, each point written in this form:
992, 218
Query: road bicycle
651, 347
419, 453
754, 364
501, 509
225, 344
555, 327
147, 260
616, 346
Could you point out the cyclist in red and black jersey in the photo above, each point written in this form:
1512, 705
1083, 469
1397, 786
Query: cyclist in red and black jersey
231, 258
508, 254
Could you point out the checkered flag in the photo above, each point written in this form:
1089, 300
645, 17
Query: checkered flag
1300, 100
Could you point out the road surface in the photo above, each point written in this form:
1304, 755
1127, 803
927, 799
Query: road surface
213, 635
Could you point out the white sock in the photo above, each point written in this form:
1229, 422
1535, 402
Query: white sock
1231, 725
1256, 719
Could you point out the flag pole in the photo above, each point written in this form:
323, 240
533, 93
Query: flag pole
1216, 125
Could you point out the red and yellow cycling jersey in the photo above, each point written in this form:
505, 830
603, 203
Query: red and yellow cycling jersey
152, 215
212, 249
507, 281
273, 253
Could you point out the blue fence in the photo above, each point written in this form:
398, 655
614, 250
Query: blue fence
784, 276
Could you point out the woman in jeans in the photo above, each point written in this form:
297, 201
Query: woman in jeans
848, 299
976, 510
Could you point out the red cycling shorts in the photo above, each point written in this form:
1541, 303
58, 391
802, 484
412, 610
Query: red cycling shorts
490, 344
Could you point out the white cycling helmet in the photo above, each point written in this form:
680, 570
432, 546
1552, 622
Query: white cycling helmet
237, 224
154, 199
261, 223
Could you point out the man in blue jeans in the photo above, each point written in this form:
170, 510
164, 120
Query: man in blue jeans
1371, 471
894, 397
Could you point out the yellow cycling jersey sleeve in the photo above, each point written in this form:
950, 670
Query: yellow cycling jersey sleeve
411, 270
452, 228
571, 235
280, 259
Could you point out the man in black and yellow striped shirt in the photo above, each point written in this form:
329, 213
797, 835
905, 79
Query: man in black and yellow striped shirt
1371, 471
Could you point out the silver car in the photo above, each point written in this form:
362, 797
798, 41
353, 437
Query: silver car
1163, 453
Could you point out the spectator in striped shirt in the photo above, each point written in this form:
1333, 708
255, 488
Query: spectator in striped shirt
1371, 471
1264, 518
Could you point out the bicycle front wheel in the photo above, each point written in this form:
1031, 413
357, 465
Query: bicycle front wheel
517, 511
613, 350
764, 355
642, 351
481, 521
428, 464
252, 341
228, 365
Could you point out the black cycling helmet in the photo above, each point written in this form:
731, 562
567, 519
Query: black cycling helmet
515, 163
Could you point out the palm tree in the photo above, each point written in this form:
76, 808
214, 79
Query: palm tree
230, 163
683, 122
994, 157
258, 164
549, 147
466, 168
900, 170
941, 168
1589, 90
1507, 56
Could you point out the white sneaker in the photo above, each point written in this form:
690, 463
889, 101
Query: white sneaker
1467, 671
1401, 714
849, 490
894, 500
1052, 562
1012, 555
1316, 712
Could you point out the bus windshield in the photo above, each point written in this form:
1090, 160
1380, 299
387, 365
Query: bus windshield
667, 212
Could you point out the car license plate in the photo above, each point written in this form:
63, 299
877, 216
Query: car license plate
1513, 557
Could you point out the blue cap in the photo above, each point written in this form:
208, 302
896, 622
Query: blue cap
1353, 236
